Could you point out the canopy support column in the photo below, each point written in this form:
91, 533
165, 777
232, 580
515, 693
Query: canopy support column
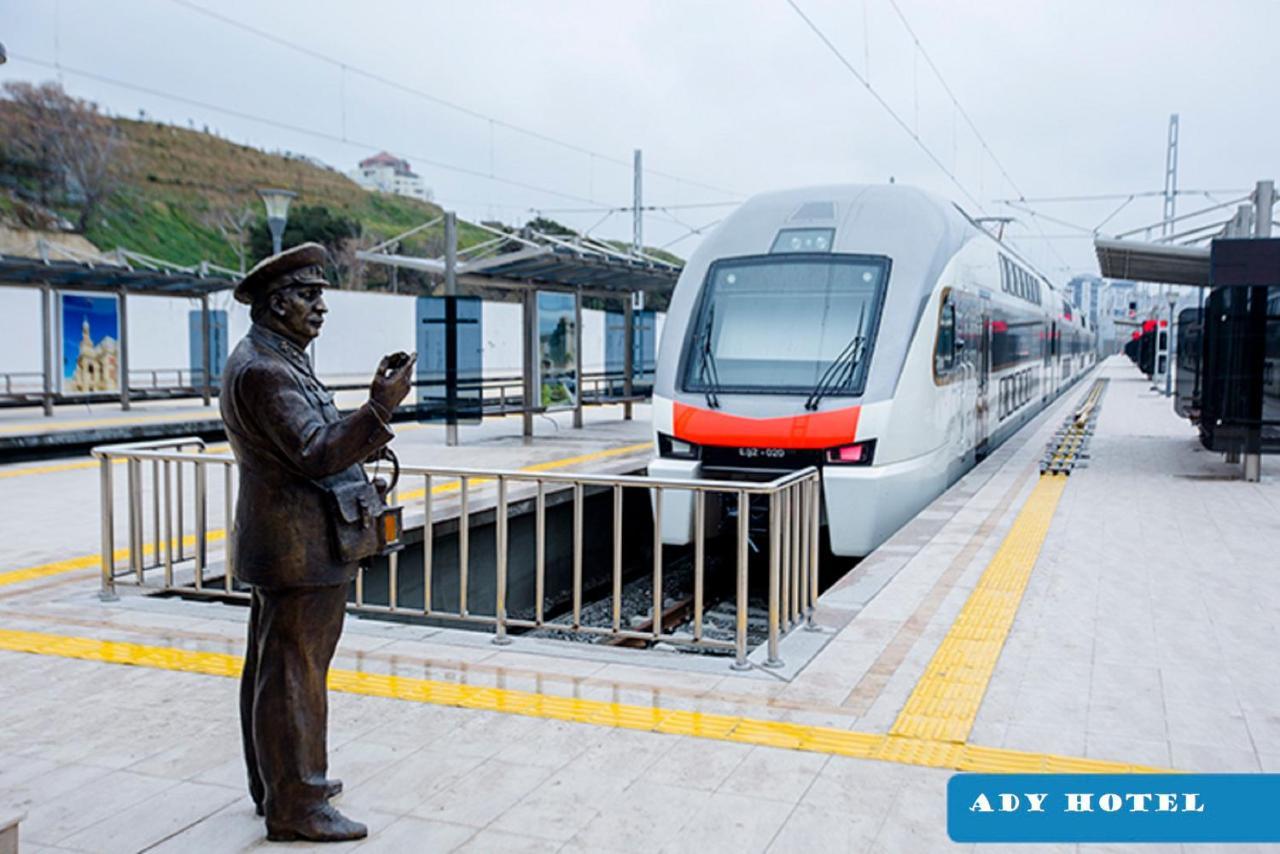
628, 354
122, 369
46, 337
577, 359
529, 357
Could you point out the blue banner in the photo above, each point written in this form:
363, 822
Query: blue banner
1113, 808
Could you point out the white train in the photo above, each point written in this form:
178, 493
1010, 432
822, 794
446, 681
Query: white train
874, 331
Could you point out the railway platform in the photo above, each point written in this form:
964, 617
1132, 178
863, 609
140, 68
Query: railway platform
1113, 619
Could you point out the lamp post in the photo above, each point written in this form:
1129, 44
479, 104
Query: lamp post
277, 202
1172, 297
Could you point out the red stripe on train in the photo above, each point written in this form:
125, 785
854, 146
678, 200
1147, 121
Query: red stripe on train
818, 430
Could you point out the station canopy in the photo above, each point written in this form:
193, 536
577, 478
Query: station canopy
69, 269
1138, 261
529, 256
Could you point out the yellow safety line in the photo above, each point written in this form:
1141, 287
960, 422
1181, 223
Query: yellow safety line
50, 469
58, 567
744, 730
415, 494
945, 701
86, 561
62, 426
54, 468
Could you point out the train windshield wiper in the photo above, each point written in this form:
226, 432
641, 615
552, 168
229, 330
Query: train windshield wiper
708, 374
840, 372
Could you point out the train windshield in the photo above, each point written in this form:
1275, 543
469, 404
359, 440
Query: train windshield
786, 325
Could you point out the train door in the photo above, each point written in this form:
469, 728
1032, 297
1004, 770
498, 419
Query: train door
984, 379
1046, 367
1054, 361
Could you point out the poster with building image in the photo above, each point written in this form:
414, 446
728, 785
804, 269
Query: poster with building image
557, 351
89, 332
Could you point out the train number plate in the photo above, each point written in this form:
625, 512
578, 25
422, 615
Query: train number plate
761, 453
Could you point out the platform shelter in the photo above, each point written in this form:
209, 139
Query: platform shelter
527, 261
59, 270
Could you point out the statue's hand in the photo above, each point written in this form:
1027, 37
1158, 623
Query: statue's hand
393, 380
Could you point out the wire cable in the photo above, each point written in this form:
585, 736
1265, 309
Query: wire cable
435, 99
318, 134
885, 104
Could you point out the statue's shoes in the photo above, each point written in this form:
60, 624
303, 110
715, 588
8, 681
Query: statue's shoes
332, 788
322, 824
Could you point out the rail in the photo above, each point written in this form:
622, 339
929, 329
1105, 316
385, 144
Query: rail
791, 504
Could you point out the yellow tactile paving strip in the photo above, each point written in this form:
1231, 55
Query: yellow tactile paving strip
744, 730
931, 729
945, 701
94, 560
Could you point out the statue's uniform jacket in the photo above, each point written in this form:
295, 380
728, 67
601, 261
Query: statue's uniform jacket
287, 435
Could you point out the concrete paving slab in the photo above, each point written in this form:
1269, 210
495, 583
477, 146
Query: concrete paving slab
1124, 648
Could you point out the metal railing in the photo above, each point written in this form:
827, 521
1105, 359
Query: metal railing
792, 510
21, 382
168, 544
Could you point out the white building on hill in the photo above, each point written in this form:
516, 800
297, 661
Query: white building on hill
390, 174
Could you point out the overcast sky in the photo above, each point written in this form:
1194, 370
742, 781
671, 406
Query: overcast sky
738, 96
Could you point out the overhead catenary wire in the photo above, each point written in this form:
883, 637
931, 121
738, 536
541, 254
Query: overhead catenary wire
629, 208
1110, 197
436, 99
954, 100
906, 128
691, 232
920, 49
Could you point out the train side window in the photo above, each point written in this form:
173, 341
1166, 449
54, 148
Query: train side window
944, 354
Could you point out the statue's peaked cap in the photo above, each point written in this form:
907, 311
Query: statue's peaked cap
298, 265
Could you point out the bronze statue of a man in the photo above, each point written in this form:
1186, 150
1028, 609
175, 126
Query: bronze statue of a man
300, 479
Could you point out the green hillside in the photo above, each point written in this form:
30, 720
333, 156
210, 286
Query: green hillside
179, 184
188, 196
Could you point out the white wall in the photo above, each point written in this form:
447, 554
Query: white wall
20, 330
360, 328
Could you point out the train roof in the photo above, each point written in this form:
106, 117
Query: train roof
876, 219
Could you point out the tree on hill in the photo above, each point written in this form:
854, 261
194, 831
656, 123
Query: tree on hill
550, 226
63, 146
312, 223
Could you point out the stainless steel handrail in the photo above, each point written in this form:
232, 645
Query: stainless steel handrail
793, 512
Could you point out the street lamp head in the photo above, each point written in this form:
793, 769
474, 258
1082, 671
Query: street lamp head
277, 202
3, 56
1172, 297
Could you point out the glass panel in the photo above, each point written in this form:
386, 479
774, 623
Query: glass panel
944, 357
803, 240
440, 325
778, 324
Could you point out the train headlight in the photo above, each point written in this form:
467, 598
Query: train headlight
856, 454
670, 446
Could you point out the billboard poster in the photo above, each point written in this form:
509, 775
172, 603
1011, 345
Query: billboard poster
557, 351
89, 331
